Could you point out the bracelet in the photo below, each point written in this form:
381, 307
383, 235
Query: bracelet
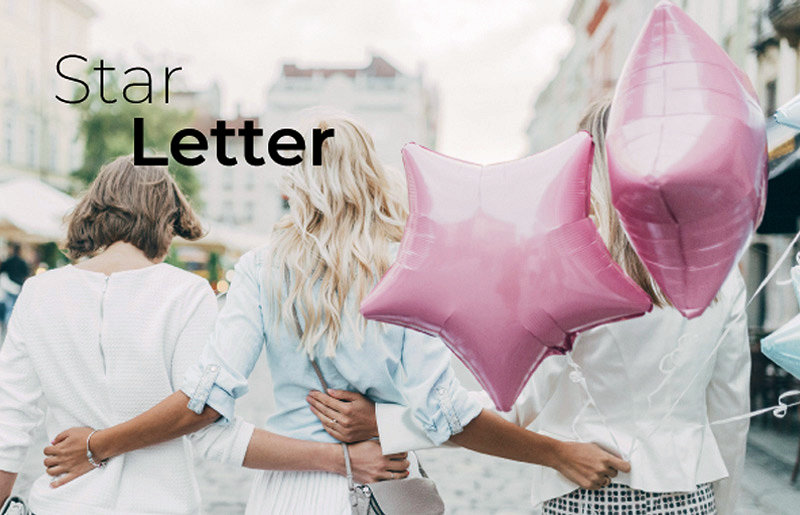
90, 456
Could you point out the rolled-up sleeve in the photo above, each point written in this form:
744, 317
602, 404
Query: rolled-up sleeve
225, 443
20, 392
437, 400
234, 346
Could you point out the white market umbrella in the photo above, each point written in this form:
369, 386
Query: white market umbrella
32, 211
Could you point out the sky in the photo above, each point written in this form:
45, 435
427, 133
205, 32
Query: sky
487, 58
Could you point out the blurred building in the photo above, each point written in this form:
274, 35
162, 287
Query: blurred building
242, 195
762, 37
604, 32
394, 106
38, 134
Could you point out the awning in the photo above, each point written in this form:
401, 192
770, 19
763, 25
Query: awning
226, 239
32, 211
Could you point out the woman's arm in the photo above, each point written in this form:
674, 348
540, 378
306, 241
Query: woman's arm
67, 457
274, 452
223, 443
445, 411
169, 419
6, 485
20, 391
351, 417
585, 464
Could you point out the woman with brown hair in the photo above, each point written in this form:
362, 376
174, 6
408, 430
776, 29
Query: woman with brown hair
106, 339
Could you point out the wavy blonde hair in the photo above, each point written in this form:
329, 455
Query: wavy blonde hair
595, 122
334, 244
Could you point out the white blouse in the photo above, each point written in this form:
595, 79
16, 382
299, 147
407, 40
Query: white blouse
635, 371
100, 350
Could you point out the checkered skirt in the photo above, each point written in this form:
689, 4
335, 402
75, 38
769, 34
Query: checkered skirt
622, 499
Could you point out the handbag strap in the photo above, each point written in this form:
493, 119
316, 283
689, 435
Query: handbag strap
348, 467
319, 376
314, 364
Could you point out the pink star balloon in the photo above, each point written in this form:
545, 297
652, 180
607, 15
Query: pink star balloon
502, 262
687, 155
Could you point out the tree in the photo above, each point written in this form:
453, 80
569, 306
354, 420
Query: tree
107, 130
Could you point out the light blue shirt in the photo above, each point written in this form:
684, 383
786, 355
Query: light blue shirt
393, 365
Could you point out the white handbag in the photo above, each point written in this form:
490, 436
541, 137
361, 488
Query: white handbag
14, 506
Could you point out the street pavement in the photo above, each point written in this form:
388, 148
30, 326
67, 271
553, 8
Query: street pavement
476, 484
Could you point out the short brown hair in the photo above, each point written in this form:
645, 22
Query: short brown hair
140, 205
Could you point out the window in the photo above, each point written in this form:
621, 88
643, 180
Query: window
8, 140
53, 159
227, 212
32, 145
770, 98
31, 82
249, 212
10, 80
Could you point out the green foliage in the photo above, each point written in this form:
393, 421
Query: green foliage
51, 255
173, 259
107, 129
214, 267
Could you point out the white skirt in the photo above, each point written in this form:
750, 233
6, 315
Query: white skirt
277, 492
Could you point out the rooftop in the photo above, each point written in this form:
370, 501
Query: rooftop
378, 67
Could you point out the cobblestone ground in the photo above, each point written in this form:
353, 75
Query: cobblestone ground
477, 484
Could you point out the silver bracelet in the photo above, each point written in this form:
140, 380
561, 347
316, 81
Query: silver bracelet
90, 456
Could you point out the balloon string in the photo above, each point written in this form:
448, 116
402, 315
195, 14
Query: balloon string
721, 339
576, 376
671, 358
778, 411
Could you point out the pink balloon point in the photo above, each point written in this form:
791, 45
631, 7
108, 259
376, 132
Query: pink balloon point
502, 262
687, 156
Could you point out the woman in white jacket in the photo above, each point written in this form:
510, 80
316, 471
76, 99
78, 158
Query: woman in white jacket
104, 340
647, 389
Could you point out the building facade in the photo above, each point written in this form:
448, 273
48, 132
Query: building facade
244, 196
38, 134
394, 106
604, 32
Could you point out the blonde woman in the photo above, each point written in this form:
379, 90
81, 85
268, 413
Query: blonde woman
654, 387
297, 299
104, 340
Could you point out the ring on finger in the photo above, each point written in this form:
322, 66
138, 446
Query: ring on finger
333, 421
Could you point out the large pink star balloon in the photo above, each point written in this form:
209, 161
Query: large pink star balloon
502, 262
687, 157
